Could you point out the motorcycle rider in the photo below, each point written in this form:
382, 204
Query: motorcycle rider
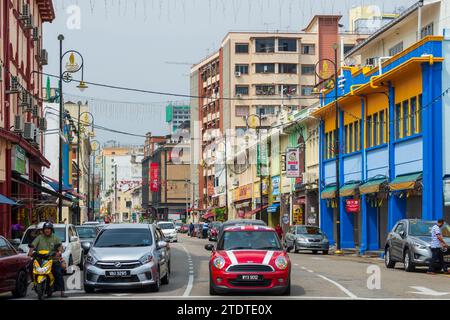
48, 241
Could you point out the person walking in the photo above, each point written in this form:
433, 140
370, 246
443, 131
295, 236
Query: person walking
279, 232
438, 246
191, 229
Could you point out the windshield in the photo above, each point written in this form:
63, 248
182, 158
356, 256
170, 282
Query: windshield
31, 234
308, 230
423, 229
254, 240
216, 225
124, 238
165, 226
87, 232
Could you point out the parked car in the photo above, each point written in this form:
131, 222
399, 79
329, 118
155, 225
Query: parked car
213, 231
249, 259
14, 270
310, 238
184, 229
87, 234
126, 256
168, 228
178, 226
409, 242
73, 253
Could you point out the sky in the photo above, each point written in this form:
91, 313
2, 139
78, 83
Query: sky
150, 45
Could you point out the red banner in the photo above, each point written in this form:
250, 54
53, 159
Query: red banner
352, 206
154, 177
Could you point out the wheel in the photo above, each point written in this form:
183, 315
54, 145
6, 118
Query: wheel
81, 264
409, 266
325, 252
157, 286
287, 292
89, 289
21, 285
295, 249
212, 290
315, 251
388, 262
165, 279
40, 290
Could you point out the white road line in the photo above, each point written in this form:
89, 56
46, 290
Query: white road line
343, 289
190, 284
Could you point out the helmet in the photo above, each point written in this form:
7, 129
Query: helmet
47, 225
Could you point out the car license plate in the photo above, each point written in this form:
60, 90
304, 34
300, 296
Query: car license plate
118, 273
250, 277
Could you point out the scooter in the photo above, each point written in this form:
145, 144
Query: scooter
43, 279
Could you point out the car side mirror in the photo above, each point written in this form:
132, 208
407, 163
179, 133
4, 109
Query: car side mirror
209, 247
402, 234
162, 244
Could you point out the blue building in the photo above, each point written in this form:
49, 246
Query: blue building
393, 151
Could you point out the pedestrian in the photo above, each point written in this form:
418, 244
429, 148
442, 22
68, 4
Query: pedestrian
205, 230
438, 246
279, 231
191, 229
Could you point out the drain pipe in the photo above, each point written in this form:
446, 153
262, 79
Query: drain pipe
419, 22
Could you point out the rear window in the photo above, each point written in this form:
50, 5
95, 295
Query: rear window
249, 240
31, 234
124, 238
87, 232
165, 226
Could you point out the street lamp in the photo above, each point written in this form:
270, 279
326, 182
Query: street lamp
255, 122
325, 75
66, 76
95, 146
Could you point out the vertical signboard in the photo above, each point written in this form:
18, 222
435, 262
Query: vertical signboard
154, 177
293, 163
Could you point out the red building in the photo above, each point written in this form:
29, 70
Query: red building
21, 118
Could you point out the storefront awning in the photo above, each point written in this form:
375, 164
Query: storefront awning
273, 208
349, 190
256, 210
5, 200
372, 186
209, 214
405, 182
329, 193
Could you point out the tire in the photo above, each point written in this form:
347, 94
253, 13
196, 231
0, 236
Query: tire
315, 251
295, 249
212, 290
388, 262
157, 286
21, 288
409, 266
89, 289
325, 252
81, 264
287, 292
40, 290
166, 278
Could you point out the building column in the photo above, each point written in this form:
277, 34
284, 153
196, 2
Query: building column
325, 213
432, 194
364, 245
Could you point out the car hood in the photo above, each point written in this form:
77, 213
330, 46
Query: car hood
311, 236
249, 256
426, 240
119, 254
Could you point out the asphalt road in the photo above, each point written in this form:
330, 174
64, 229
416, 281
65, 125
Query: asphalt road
313, 277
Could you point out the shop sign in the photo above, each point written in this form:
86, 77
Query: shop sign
285, 219
276, 186
352, 206
293, 163
19, 160
297, 215
262, 157
244, 192
154, 177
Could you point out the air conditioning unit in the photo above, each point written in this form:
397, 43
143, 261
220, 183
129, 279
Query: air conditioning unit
35, 111
238, 74
24, 99
25, 12
29, 131
239, 96
28, 23
43, 57
18, 124
35, 34
14, 86
37, 137
42, 124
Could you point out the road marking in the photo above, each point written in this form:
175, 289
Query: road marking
342, 288
190, 284
428, 292
318, 258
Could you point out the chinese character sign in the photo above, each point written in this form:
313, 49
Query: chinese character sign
154, 177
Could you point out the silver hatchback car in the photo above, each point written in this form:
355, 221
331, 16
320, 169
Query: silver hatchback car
127, 256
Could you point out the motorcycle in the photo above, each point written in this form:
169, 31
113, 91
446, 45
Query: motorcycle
43, 279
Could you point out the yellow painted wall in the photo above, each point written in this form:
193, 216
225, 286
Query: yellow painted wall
409, 84
376, 103
352, 112
329, 121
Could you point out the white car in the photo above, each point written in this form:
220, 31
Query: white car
73, 253
169, 230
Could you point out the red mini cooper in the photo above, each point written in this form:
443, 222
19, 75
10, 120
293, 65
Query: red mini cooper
249, 258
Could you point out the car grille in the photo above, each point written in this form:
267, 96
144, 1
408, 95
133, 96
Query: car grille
126, 265
314, 240
239, 283
250, 268
103, 279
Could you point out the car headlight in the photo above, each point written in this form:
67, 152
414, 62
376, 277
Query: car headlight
419, 245
301, 239
281, 263
147, 258
219, 263
91, 259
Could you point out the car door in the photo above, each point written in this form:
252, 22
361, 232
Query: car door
397, 241
9, 265
159, 236
76, 245
164, 252
290, 237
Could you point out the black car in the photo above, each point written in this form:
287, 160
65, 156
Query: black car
87, 234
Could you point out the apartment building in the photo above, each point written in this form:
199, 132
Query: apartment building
267, 74
177, 116
394, 125
21, 155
